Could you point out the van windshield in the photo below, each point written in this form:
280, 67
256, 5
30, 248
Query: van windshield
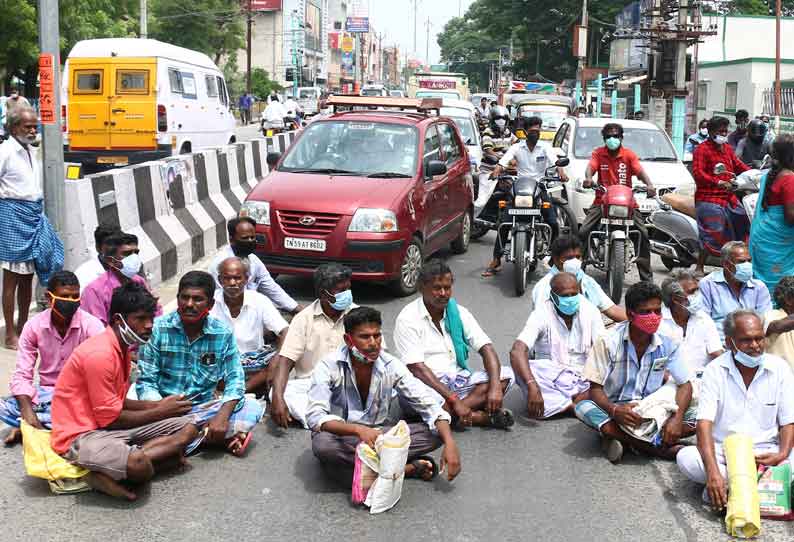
354, 148
307, 94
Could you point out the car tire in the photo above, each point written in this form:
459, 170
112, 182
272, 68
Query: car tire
410, 266
461, 244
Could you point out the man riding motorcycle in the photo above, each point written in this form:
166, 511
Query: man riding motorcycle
532, 157
496, 139
754, 147
615, 164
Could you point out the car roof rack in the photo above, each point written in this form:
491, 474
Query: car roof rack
421, 105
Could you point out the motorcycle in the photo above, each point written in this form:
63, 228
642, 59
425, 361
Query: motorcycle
673, 230
291, 122
529, 237
270, 128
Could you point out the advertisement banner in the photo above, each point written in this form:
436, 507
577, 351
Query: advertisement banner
348, 44
357, 24
263, 5
437, 84
333, 40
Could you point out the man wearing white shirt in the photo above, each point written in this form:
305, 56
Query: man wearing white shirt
433, 336
683, 315
293, 107
275, 111
249, 314
561, 331
742, 391
94, 268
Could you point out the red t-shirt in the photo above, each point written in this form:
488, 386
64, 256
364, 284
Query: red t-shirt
90, 390
614, 170
782, 191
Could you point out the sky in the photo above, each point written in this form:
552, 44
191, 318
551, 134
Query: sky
394, 18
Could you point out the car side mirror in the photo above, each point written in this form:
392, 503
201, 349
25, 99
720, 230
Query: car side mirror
562, 162
273, 158
435, 167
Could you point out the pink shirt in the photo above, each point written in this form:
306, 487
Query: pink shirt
96, 296
40, 340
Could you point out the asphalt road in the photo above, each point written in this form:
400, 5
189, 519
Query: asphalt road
247, 133
545, 481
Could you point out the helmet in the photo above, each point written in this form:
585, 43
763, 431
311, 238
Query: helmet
499, 117
756, 130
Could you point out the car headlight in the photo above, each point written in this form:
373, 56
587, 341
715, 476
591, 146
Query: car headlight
258, 210
618, 211
523, 201
373, 220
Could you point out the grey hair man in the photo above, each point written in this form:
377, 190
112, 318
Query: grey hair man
733, 287
314, 333
747, 388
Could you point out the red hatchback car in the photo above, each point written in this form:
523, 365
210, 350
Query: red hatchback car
375, 190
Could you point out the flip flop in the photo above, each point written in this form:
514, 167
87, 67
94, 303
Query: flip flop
420, 467
246, 441
502, 418
491, 271
194, 447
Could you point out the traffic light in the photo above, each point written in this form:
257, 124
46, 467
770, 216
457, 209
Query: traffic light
290, 75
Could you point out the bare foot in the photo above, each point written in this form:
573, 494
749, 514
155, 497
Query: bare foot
11, 342
107, 485
14, 436
426, 474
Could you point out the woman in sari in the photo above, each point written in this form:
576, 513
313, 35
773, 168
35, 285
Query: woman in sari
772, 232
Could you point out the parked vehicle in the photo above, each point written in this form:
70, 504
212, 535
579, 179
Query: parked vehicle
388, 188
309, 100
374, 90
127, 101
462, 112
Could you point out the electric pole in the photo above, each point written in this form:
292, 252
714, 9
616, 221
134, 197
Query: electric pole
583, 58
777, 66
144, 23
427, 42
249, 17
416, 11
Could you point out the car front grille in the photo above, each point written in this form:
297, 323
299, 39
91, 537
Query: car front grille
305, 223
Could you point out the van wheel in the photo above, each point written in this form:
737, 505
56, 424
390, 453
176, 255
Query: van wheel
185, 148
409, 269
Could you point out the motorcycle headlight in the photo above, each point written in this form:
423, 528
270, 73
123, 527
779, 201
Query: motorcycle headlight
373, 220
523, 201
618, 211
258, 210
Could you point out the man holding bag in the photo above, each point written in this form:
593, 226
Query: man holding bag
350, 398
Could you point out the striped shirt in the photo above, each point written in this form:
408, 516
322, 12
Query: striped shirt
613, 364
170, 364
334, 394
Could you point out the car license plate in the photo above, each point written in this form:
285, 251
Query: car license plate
116, 160
523, 212
300, 243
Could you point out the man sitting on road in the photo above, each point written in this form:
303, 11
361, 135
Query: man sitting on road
124, 262
316, 332
733, 287
249, 314
566, 255
342, 412
49, 337
189, 354
779, 323
94, 268
683, 315
242, 243
561, 331
628, 364
95, 426
433, 335
746, 391
615, 164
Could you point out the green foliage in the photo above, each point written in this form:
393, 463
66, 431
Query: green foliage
18, 28
261, 84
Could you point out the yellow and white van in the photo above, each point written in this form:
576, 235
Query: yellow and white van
130, 100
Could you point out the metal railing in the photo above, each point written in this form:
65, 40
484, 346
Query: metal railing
786, 102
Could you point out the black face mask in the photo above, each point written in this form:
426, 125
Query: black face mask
66, 309
533, 137
243, 249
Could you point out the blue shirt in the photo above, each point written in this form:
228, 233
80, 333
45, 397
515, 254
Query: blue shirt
334, 394
170, 364
693, 141
719, 300
613, 364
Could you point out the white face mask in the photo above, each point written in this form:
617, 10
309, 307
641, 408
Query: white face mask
704, 132
500, 123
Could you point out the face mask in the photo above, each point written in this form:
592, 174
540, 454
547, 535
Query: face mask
743, 272
500, 123
64, 306
648, 323
193, 319
746, 359
613, 143
574, 267
359, 356
704, 132
720, 139
695, 303
128, 336
342, 300
566, 305
533, 137
130, 265
243, 249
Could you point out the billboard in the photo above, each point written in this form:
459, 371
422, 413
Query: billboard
262, 5
357, 24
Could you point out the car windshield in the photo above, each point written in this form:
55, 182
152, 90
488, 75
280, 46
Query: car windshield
552, 116
397, 93
371, 92
647, 143
466, 128
354, 148
439, 94
307, 94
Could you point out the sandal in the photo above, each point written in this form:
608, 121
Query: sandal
194, 447
491, 271
502, 418
246, 441
420, 468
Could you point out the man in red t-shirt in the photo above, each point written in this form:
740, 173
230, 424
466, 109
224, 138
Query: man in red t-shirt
615, 164
95, 426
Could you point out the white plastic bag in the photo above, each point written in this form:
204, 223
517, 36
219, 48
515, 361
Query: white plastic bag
388, 460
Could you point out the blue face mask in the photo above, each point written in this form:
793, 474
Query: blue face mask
746, 359
566, 305
613, 143
342, 300
695, 303
744, 271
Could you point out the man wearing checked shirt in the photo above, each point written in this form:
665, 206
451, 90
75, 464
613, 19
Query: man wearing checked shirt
189, 354
628, 364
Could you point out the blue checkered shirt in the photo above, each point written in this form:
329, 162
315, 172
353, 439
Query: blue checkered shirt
170, 365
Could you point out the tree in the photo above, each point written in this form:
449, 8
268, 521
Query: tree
20, 39
261, 84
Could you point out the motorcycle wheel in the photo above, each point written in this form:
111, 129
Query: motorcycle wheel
616, 270
566, 220
520, 270
478, 230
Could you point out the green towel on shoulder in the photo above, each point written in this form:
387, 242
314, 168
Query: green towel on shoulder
454, 327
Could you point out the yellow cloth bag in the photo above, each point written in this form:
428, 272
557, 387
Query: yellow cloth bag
743, 519
41, 460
